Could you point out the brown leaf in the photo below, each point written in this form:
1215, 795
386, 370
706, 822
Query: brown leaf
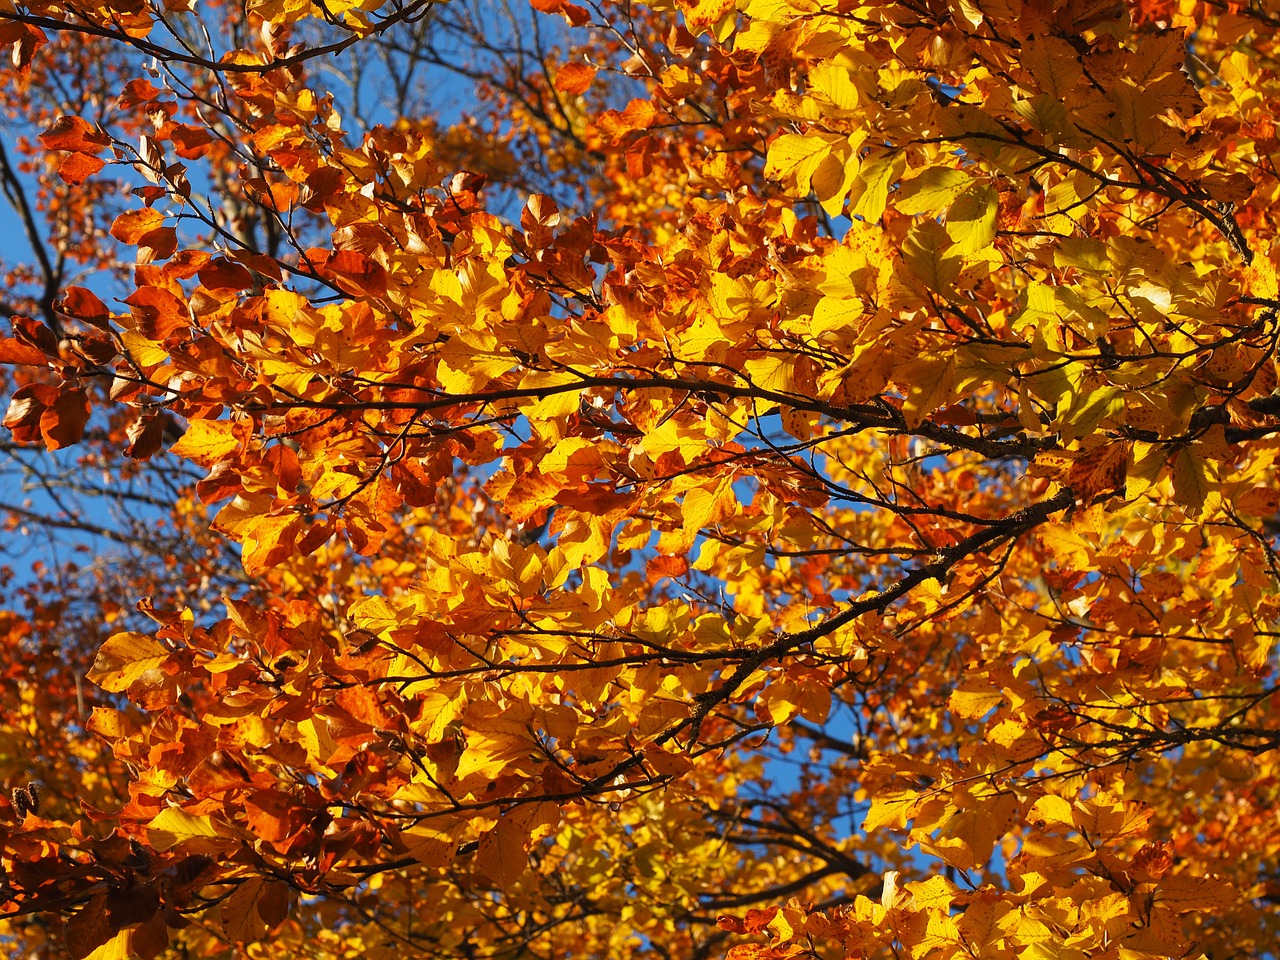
27, 408
88, 928
273, 904
151, 938
146, 436
240, 920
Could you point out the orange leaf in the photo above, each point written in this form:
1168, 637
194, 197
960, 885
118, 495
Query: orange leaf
84, 304
223, 274
660, 567
79, 167
272, 815
75, 134
132, 225
576, 15
758, 920
190, 143
639, 115
575, 78
527, 494
157, 313
157, 244
137, 92
15, 351
502, 855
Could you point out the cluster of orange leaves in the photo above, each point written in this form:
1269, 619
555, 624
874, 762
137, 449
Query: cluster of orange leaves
834, 516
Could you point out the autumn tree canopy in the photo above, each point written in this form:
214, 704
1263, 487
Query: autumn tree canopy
757, 479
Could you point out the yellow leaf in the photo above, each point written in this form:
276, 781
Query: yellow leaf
834, 82
117, 948
929, 383
795, 157
890, 808
1050, 809
1194, 478
870, 190
1110, 819
930, 190
1025, 930
889, 889
1143, 467
124, 658
558, 401
974, 699
971, 220
836, 314
1260, 278
703, 16
206, 442
781, 928
833, 178
926, 252
969, 836
1067, 547
774, 372
430, 847
935, 893
703, 507
317, 740
146, 353
1183, 893
174, 825
1053, 63
1086, 406
1048, 115
469, 360
1083, 253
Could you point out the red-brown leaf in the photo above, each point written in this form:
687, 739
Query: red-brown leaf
79, 167
75, 134
62, 424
